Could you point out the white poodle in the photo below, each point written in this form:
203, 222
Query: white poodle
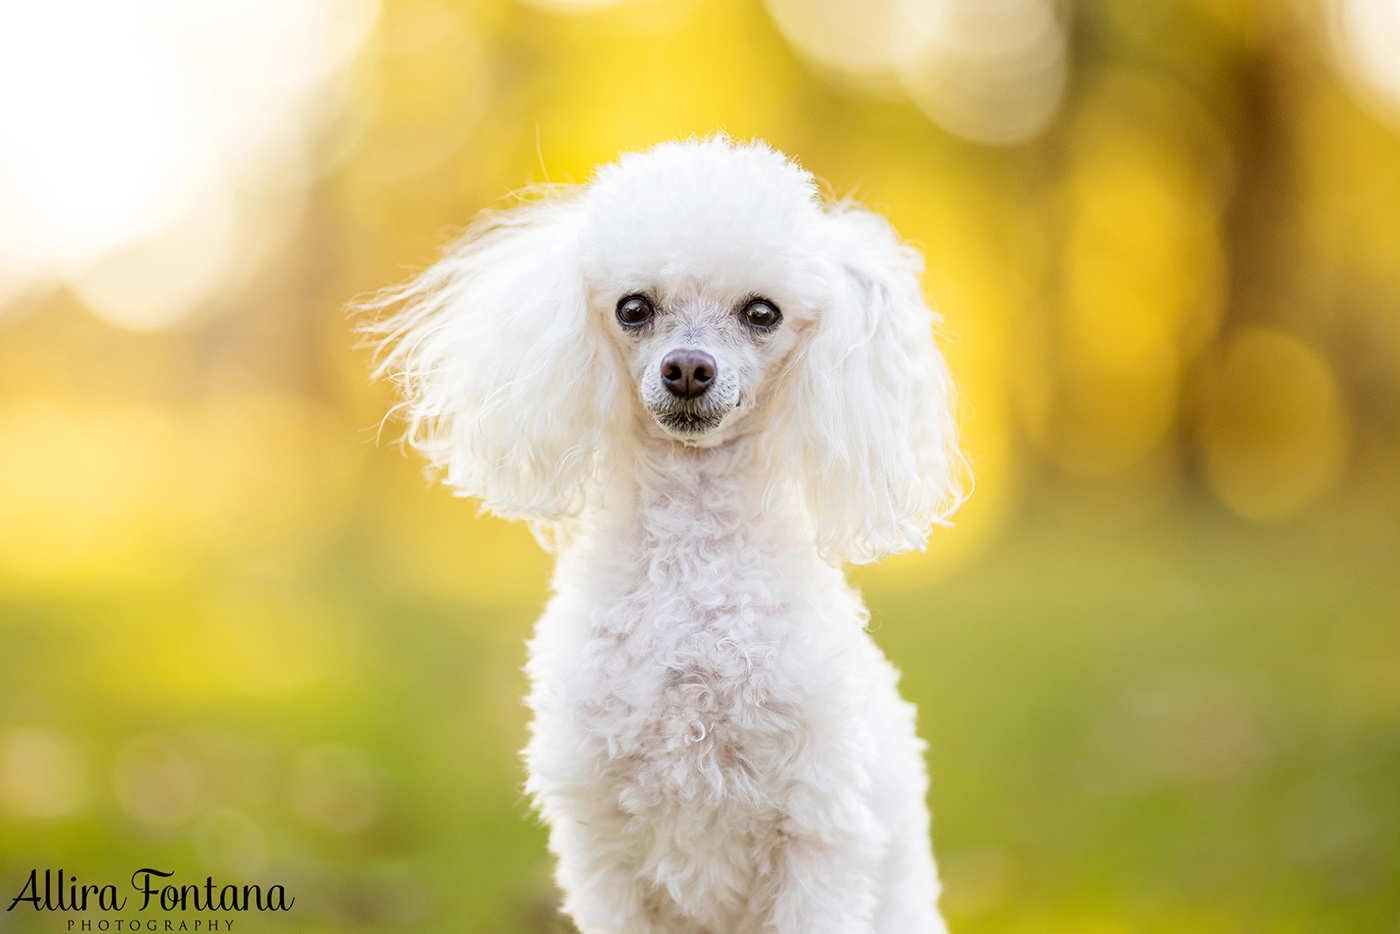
706, 387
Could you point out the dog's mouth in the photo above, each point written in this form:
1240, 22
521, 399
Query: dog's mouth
683, 422
694, 421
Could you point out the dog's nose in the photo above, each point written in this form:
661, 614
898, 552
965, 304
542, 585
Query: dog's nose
687, 373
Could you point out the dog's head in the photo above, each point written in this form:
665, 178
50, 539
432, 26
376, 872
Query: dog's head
702, 292
701, 259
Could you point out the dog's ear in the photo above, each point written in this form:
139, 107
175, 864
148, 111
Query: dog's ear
874, 403
503, 373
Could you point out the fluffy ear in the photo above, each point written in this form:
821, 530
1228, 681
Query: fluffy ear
501, 368
874, 404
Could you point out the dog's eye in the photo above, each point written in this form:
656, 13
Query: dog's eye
762, 314
634, 311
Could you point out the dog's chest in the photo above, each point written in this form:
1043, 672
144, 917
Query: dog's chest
691, 675
681, 681
688, 673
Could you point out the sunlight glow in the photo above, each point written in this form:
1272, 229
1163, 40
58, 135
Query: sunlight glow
992, 71
131, 122
1368, 35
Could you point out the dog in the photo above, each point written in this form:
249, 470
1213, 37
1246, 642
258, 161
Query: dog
706, 387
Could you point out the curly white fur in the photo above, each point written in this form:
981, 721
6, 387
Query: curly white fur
718, 746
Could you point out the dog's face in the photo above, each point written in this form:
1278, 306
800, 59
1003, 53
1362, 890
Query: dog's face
701, 274
700, 359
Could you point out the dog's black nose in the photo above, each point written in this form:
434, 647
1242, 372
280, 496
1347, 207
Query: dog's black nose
687, 373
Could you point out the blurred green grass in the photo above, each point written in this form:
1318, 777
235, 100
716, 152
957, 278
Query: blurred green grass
1182, 724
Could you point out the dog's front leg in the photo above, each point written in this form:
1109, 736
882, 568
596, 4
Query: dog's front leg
598, 875
824, 880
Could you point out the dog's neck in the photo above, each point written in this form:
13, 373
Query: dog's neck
672, 490
667, 468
